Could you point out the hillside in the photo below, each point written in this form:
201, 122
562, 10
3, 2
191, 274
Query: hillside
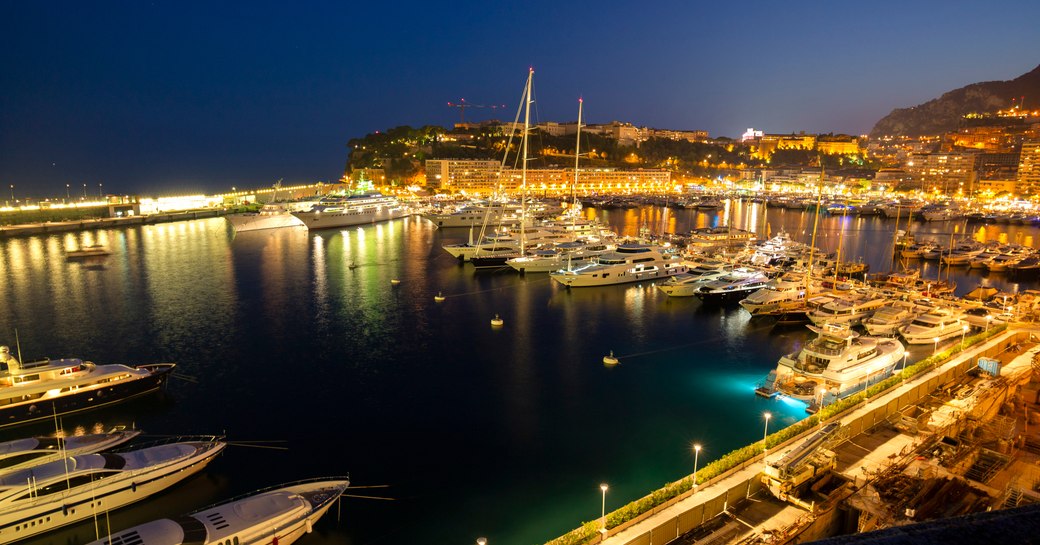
945, 113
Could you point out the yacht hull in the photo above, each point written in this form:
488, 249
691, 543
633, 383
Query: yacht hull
53, 403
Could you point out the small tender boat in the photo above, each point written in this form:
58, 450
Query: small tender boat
45, 497
44, 389
94, 250
278, 515
32, 451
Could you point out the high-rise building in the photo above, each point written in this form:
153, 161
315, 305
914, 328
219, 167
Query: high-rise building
1029, 169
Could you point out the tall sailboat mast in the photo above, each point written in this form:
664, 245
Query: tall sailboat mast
577, 154
523, 175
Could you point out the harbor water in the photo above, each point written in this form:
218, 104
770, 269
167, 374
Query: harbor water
299, 348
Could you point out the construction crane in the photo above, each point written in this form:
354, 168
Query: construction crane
462, 105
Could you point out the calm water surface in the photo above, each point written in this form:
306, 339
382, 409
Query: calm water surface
505, 433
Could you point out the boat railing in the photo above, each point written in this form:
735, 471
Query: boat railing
272, 488
167, 440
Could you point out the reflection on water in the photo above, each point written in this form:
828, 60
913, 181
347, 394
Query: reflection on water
505, 432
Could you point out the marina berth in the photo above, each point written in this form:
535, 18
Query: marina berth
45, 389
837, 363
32, 451
278, 515
934, 326
45, 497
629, 262
358, 209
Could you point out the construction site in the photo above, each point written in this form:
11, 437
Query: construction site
970, 446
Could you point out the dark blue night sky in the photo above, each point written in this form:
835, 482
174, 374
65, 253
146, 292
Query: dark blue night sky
172, 96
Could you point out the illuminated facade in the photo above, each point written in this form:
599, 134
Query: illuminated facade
945, 173
1029, 168
484, 177
838, 146
458, 174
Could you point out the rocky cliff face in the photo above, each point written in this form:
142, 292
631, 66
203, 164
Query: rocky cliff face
944, 113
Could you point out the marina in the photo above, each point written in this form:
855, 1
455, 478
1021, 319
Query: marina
478, 430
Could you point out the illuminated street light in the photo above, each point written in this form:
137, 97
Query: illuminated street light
765, 449
696, 455
964, 331
67, 196
603, 509
905, 354
935, 348
481, 541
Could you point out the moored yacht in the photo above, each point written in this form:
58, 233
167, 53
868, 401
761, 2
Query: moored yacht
837, 363
788, 288
849, 309
895, 314
32, 451
630, 262
358, 209
934, 326
45, 497
577, 253
278, 515
687, 283
271, 216
41, 390
734, 286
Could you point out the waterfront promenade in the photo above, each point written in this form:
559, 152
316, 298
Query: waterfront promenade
768, 516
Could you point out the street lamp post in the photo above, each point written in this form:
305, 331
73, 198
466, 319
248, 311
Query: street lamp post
67, 196
964, 331
989, 318
603, 509
935, 347
99, 190
12, 192
696, 455
765, 434
84, 191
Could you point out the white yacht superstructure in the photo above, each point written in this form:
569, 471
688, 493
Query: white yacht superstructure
629, 262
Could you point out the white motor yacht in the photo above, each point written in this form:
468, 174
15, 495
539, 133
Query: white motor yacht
787, 288
45, 497
687, 283
849, 309
838, 362
357, 209
279, 515
895, 314
33, 451
934, 326
734, 286
629, 262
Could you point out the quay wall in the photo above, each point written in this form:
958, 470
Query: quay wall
29, 229
677, 516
